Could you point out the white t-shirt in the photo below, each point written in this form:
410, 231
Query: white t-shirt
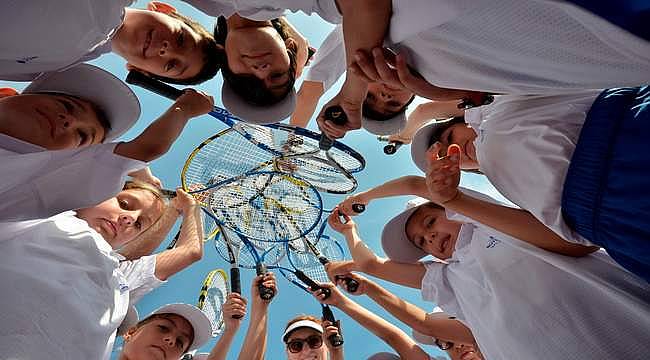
267, 10
43, 35
329, 61
524, 146
140, 275
522, 302
36, 184
517, 46
63, 295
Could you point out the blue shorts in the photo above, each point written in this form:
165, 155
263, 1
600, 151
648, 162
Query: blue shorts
631, 15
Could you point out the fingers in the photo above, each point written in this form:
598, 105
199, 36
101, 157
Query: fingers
235, 305
330, 129
386, 74
335, 221
364, 67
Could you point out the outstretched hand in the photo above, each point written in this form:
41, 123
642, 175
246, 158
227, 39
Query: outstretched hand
443, 176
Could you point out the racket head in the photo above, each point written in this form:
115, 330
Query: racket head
212, 297
267, 206
312, 255
251, 252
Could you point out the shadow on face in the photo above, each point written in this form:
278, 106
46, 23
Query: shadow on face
160, 337
307, 344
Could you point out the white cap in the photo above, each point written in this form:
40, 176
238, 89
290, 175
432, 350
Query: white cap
385, 127
394, 241
422, 141
257, 114
426, 339
112, 96
197, 318
384, 356
200, 356
129, 321
301, 324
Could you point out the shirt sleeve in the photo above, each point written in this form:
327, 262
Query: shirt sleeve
141, 277
41, 184
329, 61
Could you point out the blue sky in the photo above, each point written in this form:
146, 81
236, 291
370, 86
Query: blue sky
291, 301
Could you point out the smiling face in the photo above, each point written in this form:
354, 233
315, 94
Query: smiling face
306, 336
159, 44
386, 100
53, 121
464, 136
164, 337
429, 230
123, 217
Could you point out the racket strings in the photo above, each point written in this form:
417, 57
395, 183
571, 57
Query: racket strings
212, 299
269, 253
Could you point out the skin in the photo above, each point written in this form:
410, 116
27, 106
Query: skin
255, 48
54, 122
463, 352
153, 42
161, 339
386, 99
123, 217
430, 230
307, 353
462, 135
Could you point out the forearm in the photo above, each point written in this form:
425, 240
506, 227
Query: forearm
517, 223
157, 138
188, 249
254, 345
405, 185
423, 113
308, 95
149, 240
221, 348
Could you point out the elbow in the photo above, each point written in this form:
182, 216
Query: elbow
195, 255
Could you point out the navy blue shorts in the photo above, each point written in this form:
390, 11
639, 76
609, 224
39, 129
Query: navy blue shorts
631, 15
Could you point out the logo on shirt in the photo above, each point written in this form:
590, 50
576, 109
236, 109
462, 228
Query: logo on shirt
493, 242
123, 288
26, 59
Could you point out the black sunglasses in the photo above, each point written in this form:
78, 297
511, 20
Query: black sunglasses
314, 342
444, 345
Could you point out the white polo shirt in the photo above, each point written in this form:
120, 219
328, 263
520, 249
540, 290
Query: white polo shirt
41, 35
517, 46
63, 294
522, 302
329, 61
524, 146
36, 183
267, 10
140, 276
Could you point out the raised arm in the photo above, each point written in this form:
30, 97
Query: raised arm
235, 306
405, 185
422, 114
254, 345
389, 333
308, 96
189, 247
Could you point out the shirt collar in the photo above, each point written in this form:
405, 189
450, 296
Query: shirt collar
10, 143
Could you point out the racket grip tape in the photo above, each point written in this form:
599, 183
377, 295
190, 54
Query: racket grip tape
392, 148
336, 115
358, 208
266, 293
336, 339
312, 284
137, 78
351, 284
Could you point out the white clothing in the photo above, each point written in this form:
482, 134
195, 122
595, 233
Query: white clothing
140, 275
524, 146
329, 61
516, 46
41, 36
266, 10
63, 294
522, 302
37, 184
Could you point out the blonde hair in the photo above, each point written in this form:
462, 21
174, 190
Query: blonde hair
141, 185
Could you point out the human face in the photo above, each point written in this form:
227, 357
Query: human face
159, 44
163, 338
463, 135
385, 99
52, 121
307, 353
463, 352
123, 217
430, 230
255, 48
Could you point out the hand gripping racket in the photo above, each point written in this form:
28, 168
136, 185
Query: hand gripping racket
392, 146
291, 149
212, 297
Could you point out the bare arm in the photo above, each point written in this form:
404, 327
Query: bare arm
405, 185
158, 137
254, 345
234, 305
308, 96
423, 113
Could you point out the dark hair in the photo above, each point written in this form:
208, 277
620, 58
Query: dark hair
212, 55
371, 113
249, 87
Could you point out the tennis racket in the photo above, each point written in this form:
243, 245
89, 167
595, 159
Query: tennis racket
292, 149
212, 297
250, 257
392, 146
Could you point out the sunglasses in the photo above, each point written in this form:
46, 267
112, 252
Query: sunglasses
444, 345
314, 342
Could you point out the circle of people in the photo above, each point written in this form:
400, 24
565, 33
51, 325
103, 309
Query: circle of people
563, 274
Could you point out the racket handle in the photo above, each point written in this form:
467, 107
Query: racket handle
351, 284
358, 208
169, 194
137, 78
336, 339
392, 147
266, 293
336, 115
235, 285
312, 284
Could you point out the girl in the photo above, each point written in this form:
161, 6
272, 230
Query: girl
506, 290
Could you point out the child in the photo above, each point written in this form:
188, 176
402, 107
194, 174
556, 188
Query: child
37, 183
507, 47
158, 40
506, 290
64, 280
304, 337
536, 151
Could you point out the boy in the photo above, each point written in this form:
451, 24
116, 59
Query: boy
37, 182
43, 36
